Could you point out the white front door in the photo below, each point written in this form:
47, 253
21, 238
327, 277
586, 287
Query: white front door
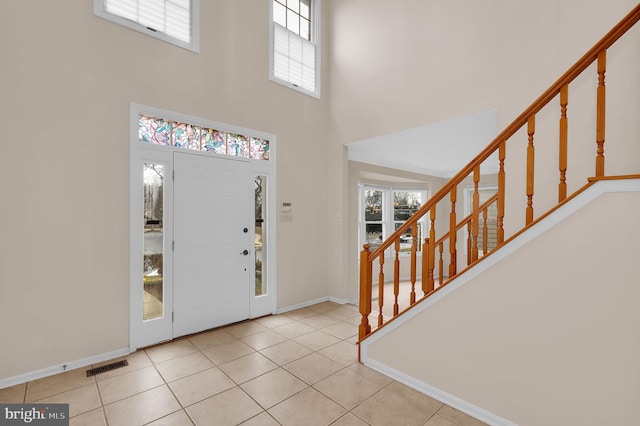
212, 242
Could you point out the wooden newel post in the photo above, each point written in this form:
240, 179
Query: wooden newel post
365, 292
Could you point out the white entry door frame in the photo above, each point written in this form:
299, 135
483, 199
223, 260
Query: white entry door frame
144, 156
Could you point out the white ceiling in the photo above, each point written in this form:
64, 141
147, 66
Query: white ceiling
439, 149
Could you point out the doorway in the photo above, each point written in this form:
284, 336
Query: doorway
201, 223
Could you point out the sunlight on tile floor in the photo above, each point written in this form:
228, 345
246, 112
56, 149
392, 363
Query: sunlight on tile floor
297, 368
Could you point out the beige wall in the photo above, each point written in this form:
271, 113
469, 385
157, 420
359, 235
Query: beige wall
549, 335
67, 80
402, 64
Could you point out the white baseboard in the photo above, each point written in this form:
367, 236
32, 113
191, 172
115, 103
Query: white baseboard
444, 397
311, 303
56, 369
339, 301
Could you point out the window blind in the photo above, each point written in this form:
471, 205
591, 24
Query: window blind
294, 58
172, 17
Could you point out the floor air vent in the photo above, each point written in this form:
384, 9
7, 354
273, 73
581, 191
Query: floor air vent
108, 367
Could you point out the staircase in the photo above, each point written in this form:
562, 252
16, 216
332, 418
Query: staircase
456, 245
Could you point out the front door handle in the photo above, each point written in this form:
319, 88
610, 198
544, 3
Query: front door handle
245, 252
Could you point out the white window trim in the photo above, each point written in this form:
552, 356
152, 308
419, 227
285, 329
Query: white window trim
194, 46
315, 36
388, 223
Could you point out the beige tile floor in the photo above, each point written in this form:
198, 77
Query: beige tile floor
299, 368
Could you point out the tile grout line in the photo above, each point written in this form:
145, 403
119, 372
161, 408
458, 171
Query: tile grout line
182, 408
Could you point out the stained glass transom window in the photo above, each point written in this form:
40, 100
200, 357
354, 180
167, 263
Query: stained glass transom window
177, 134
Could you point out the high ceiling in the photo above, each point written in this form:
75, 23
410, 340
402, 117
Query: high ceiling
438, 149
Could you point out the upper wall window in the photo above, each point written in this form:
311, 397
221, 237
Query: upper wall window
295, 45
173, 21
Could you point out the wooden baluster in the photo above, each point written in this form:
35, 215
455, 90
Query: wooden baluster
414, 257
396, 278
469, 244
364, 328
475, 218
441, 265
531, 130
485, 231
600, 113
426, 267
381, 290
452, 234
564, 137
432, 247
502, 153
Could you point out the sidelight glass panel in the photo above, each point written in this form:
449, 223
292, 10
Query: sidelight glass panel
153, 245
260, 235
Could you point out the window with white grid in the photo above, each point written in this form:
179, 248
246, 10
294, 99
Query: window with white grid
295, 44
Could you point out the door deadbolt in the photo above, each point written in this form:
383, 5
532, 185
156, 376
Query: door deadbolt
245, 252
245, 230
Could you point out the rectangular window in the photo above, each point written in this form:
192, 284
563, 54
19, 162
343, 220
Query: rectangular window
295, 44
153, 243
373, 218
384, 210
260, 244
405, 204
173, 21
158, 131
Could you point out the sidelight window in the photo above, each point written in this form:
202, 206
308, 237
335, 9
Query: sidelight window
153, 243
